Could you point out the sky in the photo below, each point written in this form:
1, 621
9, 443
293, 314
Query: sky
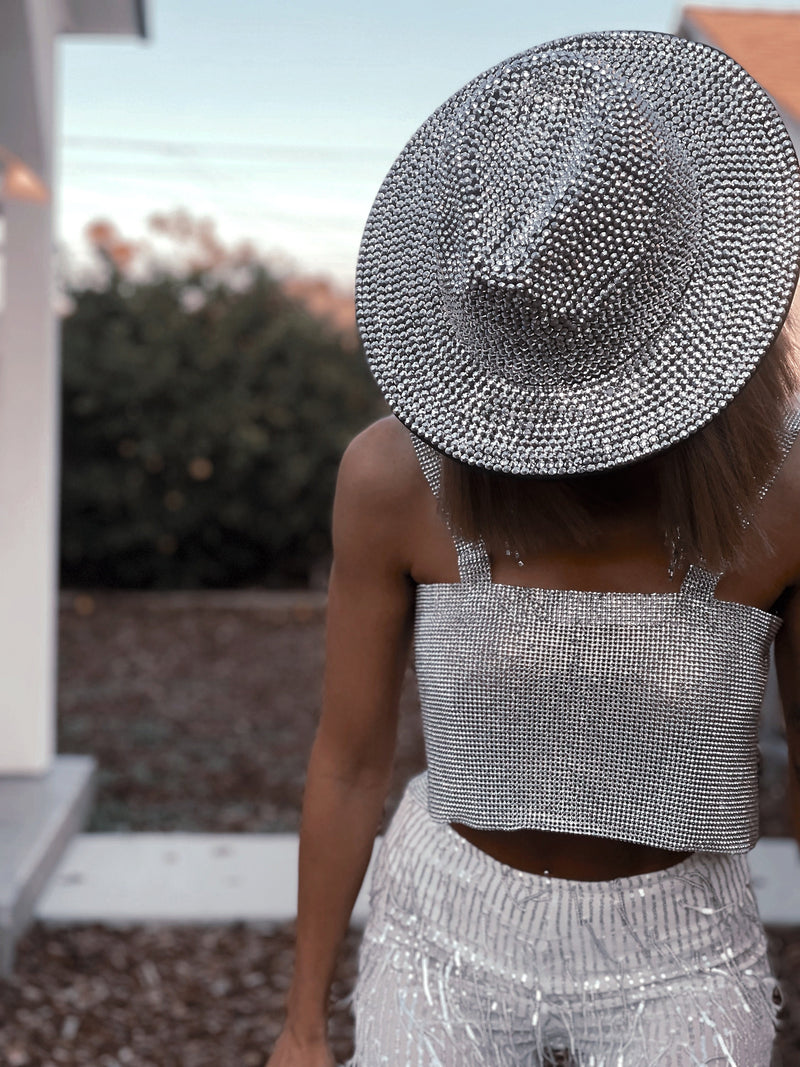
278, 120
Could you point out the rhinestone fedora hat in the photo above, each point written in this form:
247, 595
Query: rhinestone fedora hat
581, 256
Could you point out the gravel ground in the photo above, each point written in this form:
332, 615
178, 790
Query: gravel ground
155, 997
200, 709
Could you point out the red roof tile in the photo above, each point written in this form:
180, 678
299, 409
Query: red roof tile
766, 43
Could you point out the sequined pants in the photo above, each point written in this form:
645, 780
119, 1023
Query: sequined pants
468, 962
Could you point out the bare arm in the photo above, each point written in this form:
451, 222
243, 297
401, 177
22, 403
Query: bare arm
787, 661
369, 626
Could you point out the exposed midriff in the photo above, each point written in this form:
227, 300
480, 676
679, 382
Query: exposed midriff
575, 856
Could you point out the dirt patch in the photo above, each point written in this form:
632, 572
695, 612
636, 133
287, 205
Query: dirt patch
149, 997
200, 708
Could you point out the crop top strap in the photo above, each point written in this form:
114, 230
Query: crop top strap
787, 437
474, 566
699, 584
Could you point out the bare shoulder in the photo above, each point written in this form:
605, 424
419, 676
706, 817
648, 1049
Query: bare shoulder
379, 467
379, 493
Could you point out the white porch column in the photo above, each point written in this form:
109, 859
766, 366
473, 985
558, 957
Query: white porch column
43, 800
29, 402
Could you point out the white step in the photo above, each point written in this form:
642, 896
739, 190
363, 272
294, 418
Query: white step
39, 814
124, 878
121, 878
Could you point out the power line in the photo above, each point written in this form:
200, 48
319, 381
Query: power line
332, 177
239, 150
208, 176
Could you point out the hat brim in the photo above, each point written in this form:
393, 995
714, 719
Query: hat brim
745, 272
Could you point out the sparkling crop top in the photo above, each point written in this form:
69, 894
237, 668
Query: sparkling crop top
631, 716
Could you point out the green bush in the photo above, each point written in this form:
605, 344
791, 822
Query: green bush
200, 447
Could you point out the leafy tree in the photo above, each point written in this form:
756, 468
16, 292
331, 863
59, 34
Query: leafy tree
205, 410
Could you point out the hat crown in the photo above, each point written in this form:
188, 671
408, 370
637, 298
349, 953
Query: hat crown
582, 255
567, 221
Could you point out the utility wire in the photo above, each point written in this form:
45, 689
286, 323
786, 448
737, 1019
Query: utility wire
226, 151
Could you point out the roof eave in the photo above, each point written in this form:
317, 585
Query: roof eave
690, 30
126, 18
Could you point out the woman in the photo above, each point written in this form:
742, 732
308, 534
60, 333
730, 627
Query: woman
571, 291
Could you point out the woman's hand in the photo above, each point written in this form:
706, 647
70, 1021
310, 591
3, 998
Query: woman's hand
291, 1051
